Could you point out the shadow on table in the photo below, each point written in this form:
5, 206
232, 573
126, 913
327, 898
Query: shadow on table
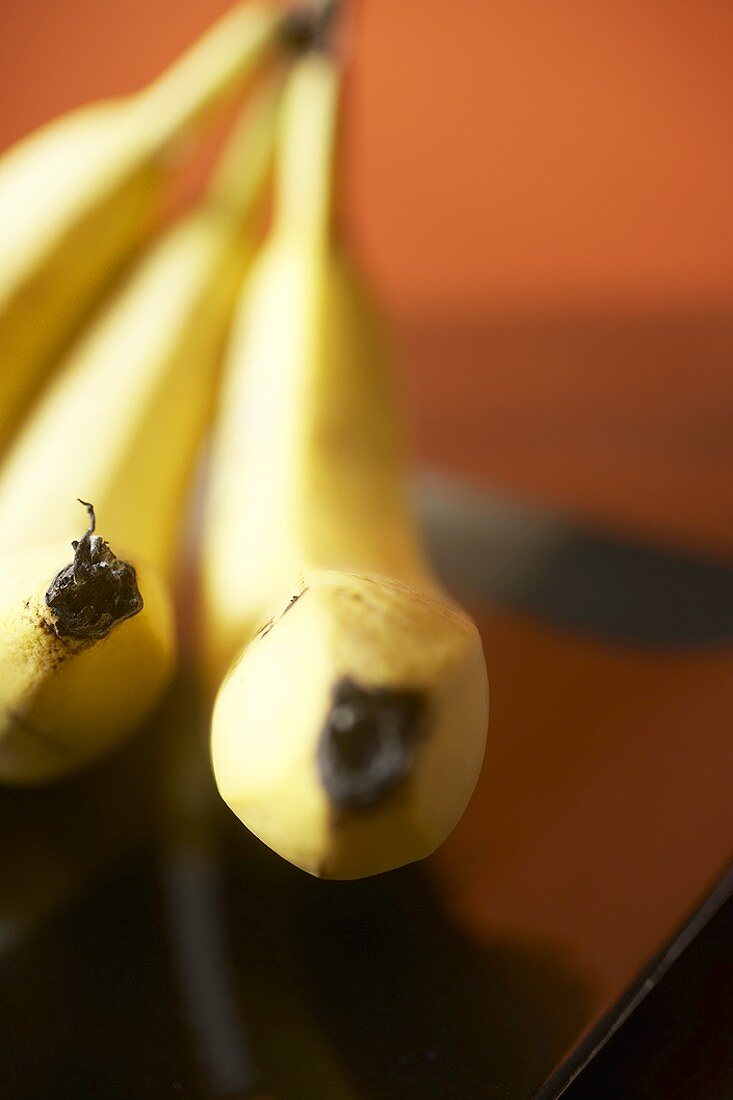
407, 1005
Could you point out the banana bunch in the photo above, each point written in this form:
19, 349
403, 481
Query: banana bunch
349, 728
350, 694
87, 638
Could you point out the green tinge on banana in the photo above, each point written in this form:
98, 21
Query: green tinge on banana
119, 426
79, 197
349, 733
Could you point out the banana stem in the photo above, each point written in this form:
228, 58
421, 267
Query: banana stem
312, 28
95, 592
209, 73
306, 152
327, 13
244, 167
92, 517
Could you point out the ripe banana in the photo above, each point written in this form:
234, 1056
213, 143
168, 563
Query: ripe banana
349, 733
81, 663
122, 424
79, 197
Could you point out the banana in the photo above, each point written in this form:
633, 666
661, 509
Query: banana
121, 423
74, 675
81, 195
349, 733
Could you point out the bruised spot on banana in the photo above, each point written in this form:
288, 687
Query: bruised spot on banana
366, 747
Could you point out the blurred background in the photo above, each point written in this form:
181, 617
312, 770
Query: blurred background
541, 194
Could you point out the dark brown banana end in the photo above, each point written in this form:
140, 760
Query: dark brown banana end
367, 745
95, 592
310, 28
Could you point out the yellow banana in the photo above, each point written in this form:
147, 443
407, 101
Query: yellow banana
74, 675
78, 197
121, 424
349, 733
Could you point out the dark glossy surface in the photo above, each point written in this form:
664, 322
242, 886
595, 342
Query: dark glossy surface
358, 991
680, 1041
152, 947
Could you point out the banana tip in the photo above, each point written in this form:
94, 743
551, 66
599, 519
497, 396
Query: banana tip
95, 592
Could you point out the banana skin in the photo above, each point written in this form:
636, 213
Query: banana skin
68, 643
349, 733
79, 197
122, 422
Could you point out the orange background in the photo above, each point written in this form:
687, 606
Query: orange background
541, 193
